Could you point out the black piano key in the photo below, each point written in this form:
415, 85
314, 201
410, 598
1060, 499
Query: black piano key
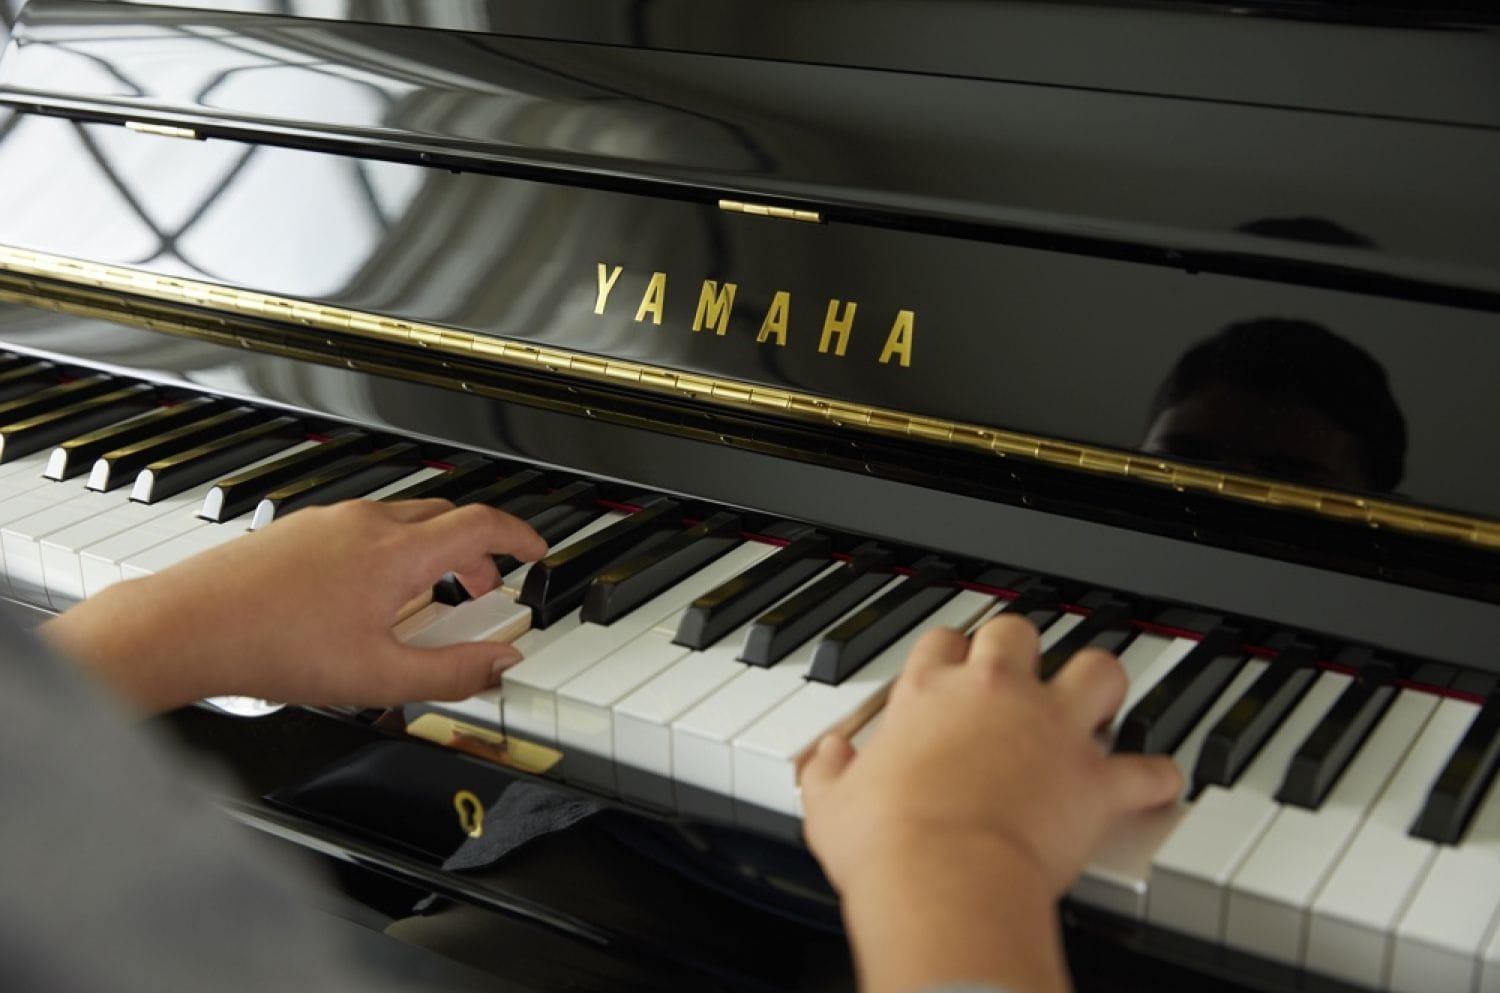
1037, 601
233, 496
1162, 718
1108, 626
1322, 758
27, 376
77, 455
1464, 780
468, 473
1238, 736
36, 433
50, 398
348, 477
557, 515
119, 467
873, 627
731, 604
184, 470
627, 584
556, 585
503, 491
809, 610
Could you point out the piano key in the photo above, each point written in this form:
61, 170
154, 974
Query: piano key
1162, 717
1489, 965
557, 584
485, 708
20, 537
102, 545
1118, 875
530, 705
468, 473
1465, 778
76, 456
702, 737
1443, 930
1271, 895
239, 494
171, 475
767, 754
1107, 626
1191, 871
354, 476
491, 617
643, 719
1233, 744
585, 703
1324, 755
1148, 660
497, 493
870, 630
44, 430
119, 467
627, 584
719, 611
1354, 915
26, 377
55, 397
791, 622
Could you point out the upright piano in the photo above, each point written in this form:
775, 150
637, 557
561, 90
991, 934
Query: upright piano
799, 329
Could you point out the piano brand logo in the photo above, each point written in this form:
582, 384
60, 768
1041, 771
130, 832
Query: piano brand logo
715, 307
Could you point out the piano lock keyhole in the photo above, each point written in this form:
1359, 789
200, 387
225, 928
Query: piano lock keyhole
470, 813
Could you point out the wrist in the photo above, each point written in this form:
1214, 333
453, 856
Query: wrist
937, 910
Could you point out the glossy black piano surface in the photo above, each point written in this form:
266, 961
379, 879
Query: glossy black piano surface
1184, 313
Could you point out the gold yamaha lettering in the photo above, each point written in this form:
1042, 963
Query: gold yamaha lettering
715, 311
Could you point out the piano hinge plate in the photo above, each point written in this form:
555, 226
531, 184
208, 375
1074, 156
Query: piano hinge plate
766, 210
161, 130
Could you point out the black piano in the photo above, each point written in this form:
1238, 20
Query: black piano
799, 329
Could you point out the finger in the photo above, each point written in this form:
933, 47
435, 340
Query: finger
824, 767
481, 577
1007, 641
1139, 782
936, 649
452, 672
459, 540
414, 511
1093, 684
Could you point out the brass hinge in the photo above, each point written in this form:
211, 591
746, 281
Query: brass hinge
765, 210
162, 130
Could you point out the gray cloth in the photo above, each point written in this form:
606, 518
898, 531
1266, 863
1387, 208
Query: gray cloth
116, 874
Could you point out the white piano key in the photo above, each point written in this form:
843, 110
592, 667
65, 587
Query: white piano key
1118, 875
1271, 895
702, 738
585, 704
1146, 660
1355, 913
418, 619
24, 469
21, 538
1192, 869
491, 617
1443, 931
101, 548
767, 754
643, 719
1489, 964
184, 546
530, 702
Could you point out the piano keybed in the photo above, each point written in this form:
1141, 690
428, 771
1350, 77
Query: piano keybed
1340, 814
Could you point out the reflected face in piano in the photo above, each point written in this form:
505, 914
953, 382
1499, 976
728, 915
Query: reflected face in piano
1284, 399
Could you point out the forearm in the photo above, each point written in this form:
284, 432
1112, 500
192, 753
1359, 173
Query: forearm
122, 638
926, 918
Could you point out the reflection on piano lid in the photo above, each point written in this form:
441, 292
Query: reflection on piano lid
781, 406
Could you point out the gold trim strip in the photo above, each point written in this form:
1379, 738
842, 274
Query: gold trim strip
162, 130
766, 210
1371, 511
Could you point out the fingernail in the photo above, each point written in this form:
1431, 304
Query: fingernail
505, 657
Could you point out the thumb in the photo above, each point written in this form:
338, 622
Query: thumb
824, 766
1143, 781
451, 672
